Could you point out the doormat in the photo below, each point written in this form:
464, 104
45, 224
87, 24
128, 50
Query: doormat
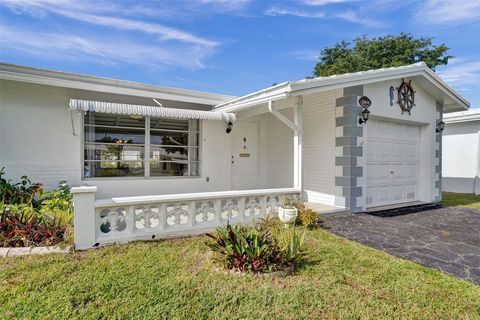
404, 210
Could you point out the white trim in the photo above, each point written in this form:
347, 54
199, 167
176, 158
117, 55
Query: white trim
462, 116
92, 83
320, 84
101, 203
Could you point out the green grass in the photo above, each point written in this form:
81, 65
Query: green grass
177, 279
464, 200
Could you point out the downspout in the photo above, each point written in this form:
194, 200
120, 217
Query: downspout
298, 130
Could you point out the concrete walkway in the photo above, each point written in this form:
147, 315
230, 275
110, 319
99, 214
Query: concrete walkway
447, 239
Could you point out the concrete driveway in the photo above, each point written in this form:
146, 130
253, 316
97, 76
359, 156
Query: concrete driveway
447, 239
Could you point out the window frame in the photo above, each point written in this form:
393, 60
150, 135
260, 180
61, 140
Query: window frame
146, 160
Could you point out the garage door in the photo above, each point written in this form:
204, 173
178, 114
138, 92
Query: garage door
393, 163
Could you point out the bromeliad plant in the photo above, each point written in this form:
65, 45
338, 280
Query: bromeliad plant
27, 218
21, 226
265, 247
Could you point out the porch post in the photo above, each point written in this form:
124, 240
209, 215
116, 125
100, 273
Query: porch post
298, 146
84, 221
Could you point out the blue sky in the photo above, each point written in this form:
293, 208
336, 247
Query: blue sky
231, 47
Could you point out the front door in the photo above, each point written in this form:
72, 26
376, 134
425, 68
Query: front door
244, 156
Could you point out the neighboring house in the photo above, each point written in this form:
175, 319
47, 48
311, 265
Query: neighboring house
150, 171
461, 152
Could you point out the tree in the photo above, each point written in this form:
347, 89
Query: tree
381, 52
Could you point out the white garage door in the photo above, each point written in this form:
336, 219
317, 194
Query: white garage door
393, 163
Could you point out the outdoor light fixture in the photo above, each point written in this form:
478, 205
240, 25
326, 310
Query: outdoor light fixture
365, 103
365, 116
229, 127
440, 126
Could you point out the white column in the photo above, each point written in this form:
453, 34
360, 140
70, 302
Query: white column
298, 146
84, 220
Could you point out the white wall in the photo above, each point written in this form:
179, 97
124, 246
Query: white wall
275, 150
461, 144
319, 147
424, 114
276, 146
36, 140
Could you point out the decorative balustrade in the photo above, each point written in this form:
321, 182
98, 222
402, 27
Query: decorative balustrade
99, 222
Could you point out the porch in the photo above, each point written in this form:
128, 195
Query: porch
237, 175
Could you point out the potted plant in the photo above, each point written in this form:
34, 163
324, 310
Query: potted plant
288, 212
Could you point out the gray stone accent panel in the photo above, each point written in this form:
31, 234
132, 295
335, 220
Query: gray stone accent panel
347, 149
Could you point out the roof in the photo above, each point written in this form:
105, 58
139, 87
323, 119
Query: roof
462, 116
92, 83
452, 101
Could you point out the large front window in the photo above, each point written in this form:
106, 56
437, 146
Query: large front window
133, 146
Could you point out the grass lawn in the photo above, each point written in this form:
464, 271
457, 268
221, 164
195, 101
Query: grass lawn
465, 200
176, 279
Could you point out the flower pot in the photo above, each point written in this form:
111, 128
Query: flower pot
287, 215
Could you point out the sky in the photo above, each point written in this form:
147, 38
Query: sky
231, 47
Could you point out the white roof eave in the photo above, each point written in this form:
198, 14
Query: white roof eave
92, 83
309, 86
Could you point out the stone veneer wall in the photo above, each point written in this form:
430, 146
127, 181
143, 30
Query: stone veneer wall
438, 156
348, 150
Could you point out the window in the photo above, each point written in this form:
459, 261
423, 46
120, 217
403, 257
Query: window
132, 146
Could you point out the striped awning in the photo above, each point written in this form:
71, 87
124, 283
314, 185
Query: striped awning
133, 109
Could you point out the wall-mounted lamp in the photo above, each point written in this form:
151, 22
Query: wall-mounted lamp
440, 126
229, 127
365, 103
365, 116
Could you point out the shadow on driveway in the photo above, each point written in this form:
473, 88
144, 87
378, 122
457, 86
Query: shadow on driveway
447, 239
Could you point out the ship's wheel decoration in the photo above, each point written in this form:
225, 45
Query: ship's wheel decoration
406, 96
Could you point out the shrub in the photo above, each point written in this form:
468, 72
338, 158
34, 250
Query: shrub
23, 192
21, 225
58, 199
265, 247
30, 217
307, 218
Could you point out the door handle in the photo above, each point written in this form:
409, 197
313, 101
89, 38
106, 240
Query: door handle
392, 172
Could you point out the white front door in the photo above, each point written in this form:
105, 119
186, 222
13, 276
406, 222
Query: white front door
244, 155
393, 163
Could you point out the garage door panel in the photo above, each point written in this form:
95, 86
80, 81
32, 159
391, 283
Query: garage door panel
398, 150
382, 151
396, 193
392, 163
411, 151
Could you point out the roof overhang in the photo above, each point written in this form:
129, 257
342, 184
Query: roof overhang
450, 99
91, 83
463, 116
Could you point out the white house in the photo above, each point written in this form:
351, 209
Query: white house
461, 152
143, 170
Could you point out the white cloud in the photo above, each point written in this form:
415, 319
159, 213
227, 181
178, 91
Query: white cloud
441, 11
275, 11
461, 74
161, 46
102, 49
349, 15
324, 2
64, 8
305, 55
225, 5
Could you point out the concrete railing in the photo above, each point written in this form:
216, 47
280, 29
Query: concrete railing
123, 219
